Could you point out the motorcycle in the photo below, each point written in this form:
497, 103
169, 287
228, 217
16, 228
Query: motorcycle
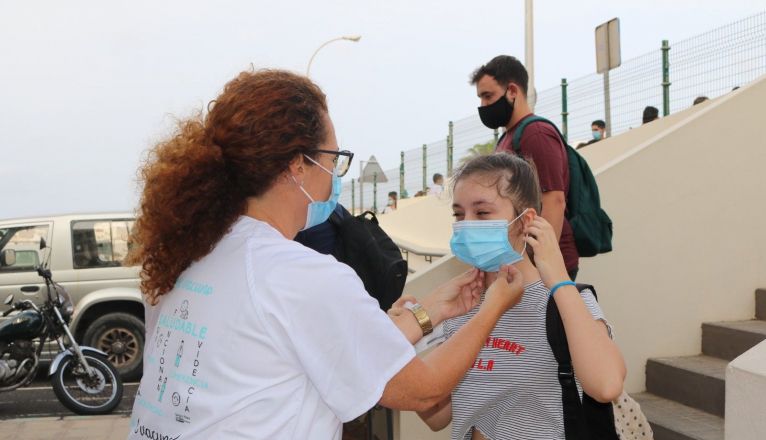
83, 379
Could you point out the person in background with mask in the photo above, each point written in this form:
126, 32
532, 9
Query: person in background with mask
598, 130
391, 204
512, 392
280, 342
501, 85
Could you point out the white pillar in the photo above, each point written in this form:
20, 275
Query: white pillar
529, 52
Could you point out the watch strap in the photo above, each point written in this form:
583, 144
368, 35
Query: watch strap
424, 321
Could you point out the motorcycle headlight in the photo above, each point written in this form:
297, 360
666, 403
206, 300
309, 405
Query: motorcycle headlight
67, 307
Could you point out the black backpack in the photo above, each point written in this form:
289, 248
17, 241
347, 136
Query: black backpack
583, 420
367, 249
592, 227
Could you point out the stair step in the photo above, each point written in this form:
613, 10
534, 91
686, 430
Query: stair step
760, 304
727, 340
696, 381
674, 421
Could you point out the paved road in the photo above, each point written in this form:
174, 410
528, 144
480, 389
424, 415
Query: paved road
38, 400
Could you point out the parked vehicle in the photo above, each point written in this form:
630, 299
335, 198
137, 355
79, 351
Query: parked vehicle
83, 379
86, 253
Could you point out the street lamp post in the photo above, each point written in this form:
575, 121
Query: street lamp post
353, 38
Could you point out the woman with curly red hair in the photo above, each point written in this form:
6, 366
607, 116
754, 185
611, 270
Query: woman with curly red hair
250, 334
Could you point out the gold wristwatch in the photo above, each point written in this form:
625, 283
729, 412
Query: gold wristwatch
423, 320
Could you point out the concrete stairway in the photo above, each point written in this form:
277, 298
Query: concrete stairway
685, 396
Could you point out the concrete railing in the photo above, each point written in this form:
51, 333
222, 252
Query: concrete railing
745, 391
419, 225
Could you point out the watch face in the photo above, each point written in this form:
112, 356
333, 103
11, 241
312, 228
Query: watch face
409, 305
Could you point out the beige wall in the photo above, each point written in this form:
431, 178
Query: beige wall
687, 195
688, 207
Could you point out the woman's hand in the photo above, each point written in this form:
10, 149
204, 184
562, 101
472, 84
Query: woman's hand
548, 258
506, 291
455, 297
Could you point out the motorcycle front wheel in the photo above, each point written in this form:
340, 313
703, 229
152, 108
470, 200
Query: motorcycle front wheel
88, 394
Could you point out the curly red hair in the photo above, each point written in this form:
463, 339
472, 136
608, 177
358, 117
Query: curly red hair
196, 184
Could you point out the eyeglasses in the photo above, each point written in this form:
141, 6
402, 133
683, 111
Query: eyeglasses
342, 161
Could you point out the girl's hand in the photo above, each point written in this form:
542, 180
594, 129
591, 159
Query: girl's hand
548, 258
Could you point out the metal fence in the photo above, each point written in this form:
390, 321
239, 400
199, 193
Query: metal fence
710, 64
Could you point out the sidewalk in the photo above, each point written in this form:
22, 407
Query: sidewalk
66, 428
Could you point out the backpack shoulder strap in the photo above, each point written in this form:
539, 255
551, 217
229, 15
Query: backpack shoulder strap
500, 139
570, 398
574, 425
581, 287
335, 219
516, 140
339, 214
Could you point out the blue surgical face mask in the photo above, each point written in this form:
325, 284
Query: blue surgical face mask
319, 212
597, 135
484, 243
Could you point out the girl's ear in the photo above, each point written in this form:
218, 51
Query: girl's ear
521, 224
519, 227
529, 216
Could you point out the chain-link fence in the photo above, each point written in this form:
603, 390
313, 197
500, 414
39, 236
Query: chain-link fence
710, 65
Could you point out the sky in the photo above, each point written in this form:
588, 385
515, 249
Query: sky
89, 87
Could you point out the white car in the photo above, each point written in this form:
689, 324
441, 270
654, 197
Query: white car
86, 253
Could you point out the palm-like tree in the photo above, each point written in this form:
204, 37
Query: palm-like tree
478, 150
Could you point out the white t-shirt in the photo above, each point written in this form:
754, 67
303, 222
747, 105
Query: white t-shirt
436, 190
512, 391
263, 339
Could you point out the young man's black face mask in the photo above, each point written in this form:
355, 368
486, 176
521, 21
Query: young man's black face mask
497, 114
